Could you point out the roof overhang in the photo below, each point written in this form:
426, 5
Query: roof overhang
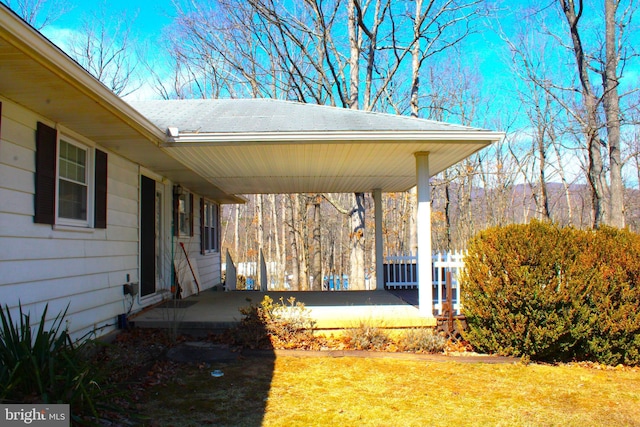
312, 162
39, 76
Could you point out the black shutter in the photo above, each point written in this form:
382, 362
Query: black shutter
46, 156
215, 234
100, 220
191, 214
203, 231
176, 214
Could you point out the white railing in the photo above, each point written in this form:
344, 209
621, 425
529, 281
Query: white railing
401, 272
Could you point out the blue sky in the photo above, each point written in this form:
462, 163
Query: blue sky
484, 51
150, 18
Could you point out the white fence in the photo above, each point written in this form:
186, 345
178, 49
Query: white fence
401, 272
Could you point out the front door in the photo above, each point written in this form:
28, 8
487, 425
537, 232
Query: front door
151, 256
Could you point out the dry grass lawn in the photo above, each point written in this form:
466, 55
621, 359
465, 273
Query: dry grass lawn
351, 391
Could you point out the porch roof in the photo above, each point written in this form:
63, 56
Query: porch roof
248, 146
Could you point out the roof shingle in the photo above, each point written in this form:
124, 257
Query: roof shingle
271, 115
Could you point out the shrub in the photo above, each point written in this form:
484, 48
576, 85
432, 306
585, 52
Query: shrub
279, 325
550, 293
614, 297
45, 366
421, 340
367, 337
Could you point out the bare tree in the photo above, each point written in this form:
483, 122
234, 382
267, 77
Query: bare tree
590, 120
292, 221
38, 13
594, 106
105, 48
316, 245
611, 100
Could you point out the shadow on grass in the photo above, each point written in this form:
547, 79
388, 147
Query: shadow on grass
211, 385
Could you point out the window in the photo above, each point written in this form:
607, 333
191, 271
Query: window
209, 222
183, 205
71, 181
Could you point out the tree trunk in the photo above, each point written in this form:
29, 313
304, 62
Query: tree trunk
543, 197
316, 247
413, 222
236, 233
357, 215
590, 123
447, 211
354, 56
612, 115
276, 242
415, 61
283, 259
260, 221
300, 226
295, 267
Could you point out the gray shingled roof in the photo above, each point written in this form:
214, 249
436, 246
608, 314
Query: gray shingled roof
270, 115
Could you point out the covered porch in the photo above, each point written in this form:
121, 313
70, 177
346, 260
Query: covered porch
266, 146
216, 310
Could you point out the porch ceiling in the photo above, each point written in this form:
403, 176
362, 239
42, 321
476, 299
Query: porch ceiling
317, 166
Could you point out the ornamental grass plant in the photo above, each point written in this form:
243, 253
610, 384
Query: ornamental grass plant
43, 365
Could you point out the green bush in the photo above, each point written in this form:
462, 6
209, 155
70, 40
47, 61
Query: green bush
553, 293
45, 366
614, 297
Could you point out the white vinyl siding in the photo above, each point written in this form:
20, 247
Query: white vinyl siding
43, 265
83, 268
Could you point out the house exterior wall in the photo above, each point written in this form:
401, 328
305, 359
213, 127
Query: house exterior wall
82, 268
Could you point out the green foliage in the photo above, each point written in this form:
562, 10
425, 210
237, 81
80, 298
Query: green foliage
278, 325
421, 340
367, 337
45, 366
553, 293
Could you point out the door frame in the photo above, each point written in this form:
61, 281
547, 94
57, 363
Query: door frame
159, 240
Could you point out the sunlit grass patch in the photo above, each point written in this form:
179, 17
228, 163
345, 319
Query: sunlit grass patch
321, 391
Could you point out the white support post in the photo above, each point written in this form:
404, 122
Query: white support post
425, 280
377, 200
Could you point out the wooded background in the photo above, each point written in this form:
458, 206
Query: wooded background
567, 99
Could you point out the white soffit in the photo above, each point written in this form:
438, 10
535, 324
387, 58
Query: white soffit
350, 166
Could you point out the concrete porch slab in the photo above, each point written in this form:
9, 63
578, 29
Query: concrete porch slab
212, 311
